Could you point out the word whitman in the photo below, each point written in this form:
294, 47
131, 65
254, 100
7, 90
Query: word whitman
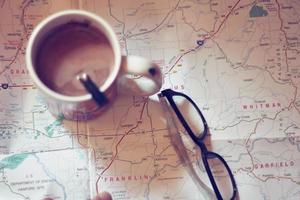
261, 106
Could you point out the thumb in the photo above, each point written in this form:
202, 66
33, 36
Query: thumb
103, 196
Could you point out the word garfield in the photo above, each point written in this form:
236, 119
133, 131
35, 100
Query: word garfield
290, 163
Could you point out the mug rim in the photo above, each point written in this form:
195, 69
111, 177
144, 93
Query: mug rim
110, 35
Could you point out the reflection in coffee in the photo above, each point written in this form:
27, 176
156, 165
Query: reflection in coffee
72, 49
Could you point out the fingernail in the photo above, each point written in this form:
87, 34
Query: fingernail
103, 196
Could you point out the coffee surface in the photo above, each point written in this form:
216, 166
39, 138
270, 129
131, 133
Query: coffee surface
72, 49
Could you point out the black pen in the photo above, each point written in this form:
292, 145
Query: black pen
93, 89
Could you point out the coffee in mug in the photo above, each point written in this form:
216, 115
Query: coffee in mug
71, 49
73, 42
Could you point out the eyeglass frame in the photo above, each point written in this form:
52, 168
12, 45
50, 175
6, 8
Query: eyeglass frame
168, 93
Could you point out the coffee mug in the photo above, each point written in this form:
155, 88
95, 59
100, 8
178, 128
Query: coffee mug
75, 41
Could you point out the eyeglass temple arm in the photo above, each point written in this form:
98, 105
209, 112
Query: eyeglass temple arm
180, 150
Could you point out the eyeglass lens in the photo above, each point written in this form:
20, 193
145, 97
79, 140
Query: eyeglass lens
190, 114
221, 176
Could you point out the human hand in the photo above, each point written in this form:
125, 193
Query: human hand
103, 196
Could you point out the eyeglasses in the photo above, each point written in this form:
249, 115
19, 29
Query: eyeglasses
193, 121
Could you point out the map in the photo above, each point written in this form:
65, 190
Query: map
239, 60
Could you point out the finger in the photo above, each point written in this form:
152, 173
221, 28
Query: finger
103, 196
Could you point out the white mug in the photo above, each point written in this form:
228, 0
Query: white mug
84, 107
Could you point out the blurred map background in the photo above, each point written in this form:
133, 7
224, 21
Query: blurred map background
238, 60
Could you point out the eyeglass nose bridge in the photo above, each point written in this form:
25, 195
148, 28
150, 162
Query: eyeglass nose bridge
202, 146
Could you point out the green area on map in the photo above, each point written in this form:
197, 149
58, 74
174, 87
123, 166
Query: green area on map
12, 162
51, 127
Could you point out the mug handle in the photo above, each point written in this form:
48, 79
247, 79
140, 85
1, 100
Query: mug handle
139, 76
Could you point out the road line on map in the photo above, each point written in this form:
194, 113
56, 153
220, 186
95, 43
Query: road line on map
233, 125
247, 145
205, 38
263, 180
274, 177
157, 26
23, 16
285, 35
77, 135
116, 148
78, 139
115, 135
22, 86
178, 59
225, 18
262, 120
21, 42
25, 197
286, 56
151, 129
